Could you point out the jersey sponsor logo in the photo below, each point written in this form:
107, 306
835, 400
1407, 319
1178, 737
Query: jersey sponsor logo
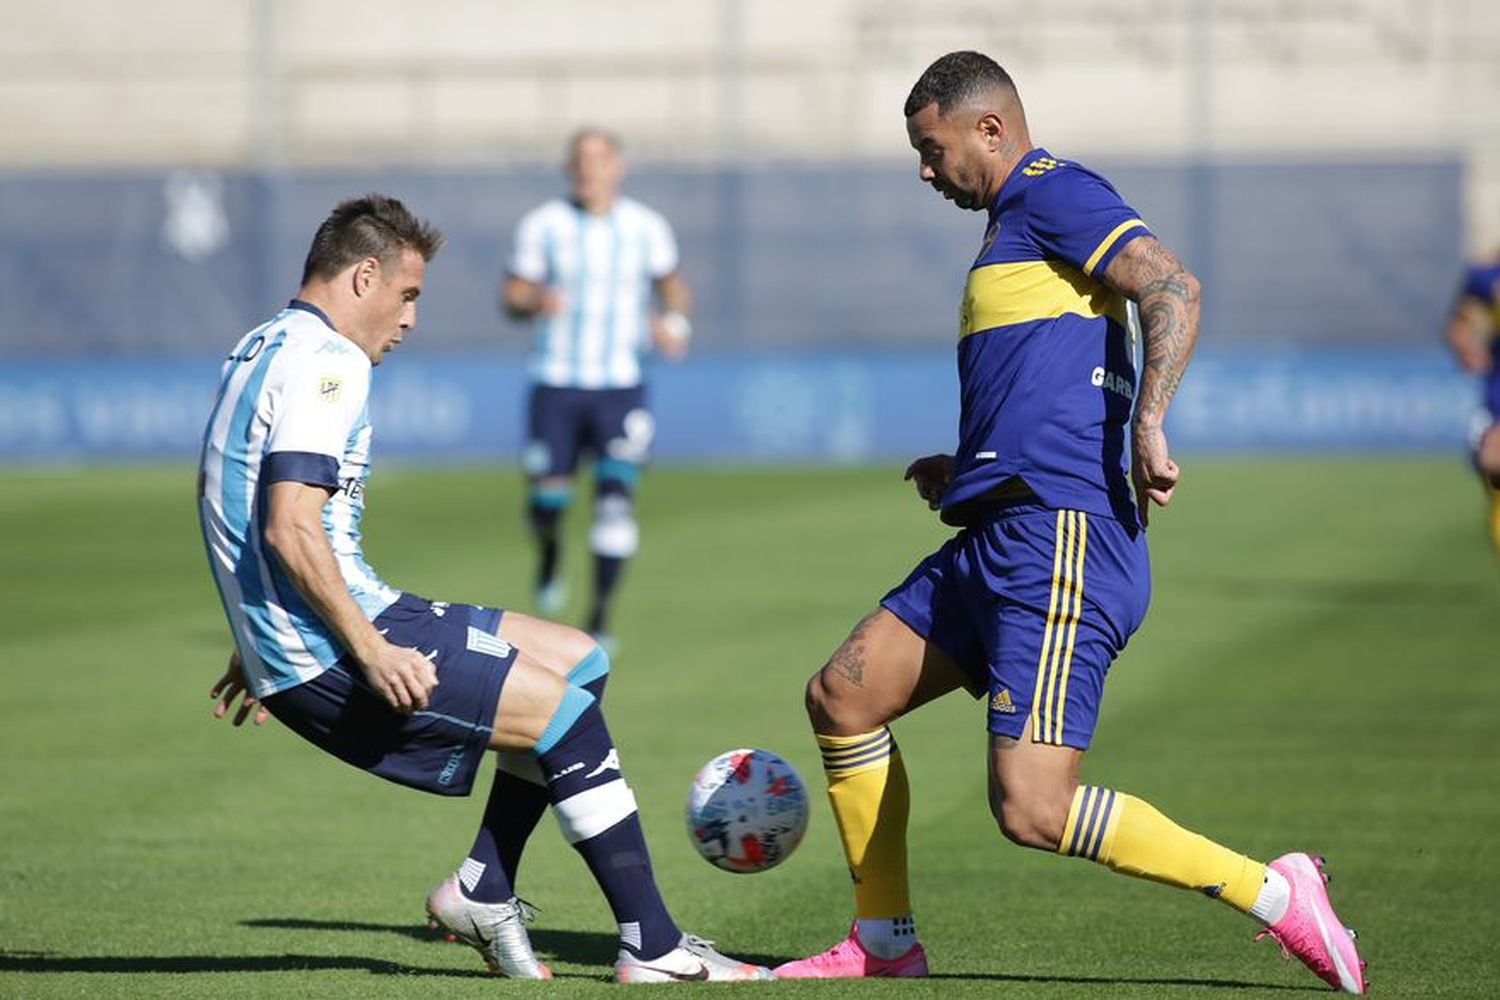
330, 389
1002, 702
353, 488
1041, 165
332, 347
1110, 382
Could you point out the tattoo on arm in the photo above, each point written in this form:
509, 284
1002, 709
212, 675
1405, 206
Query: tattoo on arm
1168, 297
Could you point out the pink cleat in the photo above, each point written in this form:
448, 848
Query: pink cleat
1311, 930
849, 960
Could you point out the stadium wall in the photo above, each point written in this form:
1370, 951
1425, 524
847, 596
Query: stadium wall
826, 303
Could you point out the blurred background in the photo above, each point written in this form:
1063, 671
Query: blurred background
1324, 165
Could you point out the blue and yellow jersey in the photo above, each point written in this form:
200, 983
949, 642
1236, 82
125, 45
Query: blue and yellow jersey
1483, 283
1045, 364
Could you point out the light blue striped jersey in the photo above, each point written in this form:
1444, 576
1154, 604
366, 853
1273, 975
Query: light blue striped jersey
603, 267
292, 405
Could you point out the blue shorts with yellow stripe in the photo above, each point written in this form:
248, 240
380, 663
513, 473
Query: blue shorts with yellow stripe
1034, 604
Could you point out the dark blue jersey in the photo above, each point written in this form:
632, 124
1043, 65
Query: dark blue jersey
1483, 283
1045, 365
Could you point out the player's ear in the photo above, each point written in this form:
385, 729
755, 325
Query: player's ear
364, 275
991, 129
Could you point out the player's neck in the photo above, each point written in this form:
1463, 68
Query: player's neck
321, 299
1012, 152
598, 209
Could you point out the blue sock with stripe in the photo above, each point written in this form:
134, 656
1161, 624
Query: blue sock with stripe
518, 798
596, 811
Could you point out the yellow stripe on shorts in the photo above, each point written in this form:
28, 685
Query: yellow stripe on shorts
1064, 608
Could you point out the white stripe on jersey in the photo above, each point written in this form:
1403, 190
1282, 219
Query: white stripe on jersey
293, 385
603, 267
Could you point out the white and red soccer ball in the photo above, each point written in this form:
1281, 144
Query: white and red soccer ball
746, 811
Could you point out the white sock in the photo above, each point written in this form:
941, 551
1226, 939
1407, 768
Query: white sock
1272, 900
887, 937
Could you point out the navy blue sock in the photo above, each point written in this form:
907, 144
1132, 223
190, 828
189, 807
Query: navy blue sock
596, 811
515, 806
607, 570
544, 518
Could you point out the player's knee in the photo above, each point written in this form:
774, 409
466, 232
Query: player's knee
1029, 820
615, 533
546, 502
1489, 452
836, 709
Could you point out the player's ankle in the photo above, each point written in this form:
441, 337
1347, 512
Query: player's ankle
886, 937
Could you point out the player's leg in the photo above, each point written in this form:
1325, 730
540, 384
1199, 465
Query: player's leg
1047, 679
549, 461
518, 794
1487, 461
884, 669
562, 726
621, 432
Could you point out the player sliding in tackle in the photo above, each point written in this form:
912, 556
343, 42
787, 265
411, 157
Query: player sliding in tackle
412, 690
1029, 604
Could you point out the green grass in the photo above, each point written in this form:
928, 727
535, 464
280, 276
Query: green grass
1317, 672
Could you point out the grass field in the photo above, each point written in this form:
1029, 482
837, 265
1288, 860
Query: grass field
1318, 672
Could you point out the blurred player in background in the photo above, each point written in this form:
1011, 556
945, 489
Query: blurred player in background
584, 271
1474, 336
1029, 604
412, 690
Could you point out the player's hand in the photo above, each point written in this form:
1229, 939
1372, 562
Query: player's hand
1475, 360
1154, 473
232, 685
551, 302
932, 475
403, 677
671, 343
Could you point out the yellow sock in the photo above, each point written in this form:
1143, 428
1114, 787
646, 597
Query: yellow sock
1494, 515
1127, 835
871, 801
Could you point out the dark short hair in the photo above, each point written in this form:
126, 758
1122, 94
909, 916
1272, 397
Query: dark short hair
954, 79
373, 226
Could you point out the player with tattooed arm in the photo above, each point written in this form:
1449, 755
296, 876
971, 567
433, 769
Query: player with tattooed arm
1060, 449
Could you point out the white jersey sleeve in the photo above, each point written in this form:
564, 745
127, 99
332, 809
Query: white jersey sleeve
528, 259
315, 417
661, 247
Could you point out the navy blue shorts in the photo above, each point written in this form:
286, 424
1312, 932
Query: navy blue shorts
1034, 605
611, 424
437, 749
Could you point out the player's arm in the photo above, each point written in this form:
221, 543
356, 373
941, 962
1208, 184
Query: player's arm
524, 290
1168, 297
294, 534
521, 299
1468, 329
671, 329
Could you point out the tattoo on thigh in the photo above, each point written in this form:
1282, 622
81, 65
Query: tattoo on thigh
849, 659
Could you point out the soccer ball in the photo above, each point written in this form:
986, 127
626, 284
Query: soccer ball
746, 811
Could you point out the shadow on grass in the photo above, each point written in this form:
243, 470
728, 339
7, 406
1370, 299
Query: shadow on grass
1218, 984
574, 947
26, 961
1365, 593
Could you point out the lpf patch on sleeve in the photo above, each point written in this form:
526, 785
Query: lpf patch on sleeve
330, 388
